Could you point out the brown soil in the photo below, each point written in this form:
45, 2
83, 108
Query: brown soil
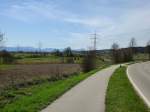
28, 73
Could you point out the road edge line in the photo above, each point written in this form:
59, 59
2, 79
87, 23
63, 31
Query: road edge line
137, 89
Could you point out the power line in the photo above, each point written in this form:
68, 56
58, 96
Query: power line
95, 38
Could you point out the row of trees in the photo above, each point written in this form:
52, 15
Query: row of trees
5, 57
148, 48
1, 40
120, 55
67, 52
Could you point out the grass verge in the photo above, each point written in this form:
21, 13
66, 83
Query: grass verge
36, 97
121, 97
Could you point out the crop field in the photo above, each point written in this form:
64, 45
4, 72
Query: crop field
21, 74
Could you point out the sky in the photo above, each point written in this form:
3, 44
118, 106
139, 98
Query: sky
63, 23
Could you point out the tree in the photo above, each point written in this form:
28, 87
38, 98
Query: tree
120, 55
115, 52
6, 57
56, 52
68, 52
115, 46
132, 42
132, 45
89, 61
1, 45
1, 40
148, 49
40, 46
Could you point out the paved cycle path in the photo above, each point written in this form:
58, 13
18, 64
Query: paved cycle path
87, 96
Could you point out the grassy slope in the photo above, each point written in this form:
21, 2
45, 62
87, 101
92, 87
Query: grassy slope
36, 97
121, 96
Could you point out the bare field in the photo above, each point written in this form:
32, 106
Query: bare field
27, 73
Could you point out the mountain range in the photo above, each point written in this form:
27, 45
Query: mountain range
33, 49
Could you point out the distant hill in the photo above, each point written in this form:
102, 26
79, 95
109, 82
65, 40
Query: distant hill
28, 49
32, 49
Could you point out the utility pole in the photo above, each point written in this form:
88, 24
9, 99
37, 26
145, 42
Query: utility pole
94, 40
40, 46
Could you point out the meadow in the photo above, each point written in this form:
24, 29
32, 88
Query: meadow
12, 75
22, 81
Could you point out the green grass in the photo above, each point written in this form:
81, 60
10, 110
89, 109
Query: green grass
121, 96
36, 97
47, 59
5, 67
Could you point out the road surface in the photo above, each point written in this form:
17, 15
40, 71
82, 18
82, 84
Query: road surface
139, 75
87, 96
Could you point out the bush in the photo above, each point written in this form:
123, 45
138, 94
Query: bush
6, 57
122, 55
69, 60
89, 61
68, 52
57, 52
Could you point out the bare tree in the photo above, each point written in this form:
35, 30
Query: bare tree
132, 45
1, 40
148, 48
1, 45
115, 46
132, 42
68, 52
89, 61
115, 55
40, 46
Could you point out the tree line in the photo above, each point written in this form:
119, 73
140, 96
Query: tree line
120, 55
5, 57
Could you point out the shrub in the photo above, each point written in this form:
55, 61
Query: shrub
69, 60
6, 57
89, 61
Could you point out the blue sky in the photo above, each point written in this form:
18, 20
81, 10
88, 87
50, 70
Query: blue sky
62, 23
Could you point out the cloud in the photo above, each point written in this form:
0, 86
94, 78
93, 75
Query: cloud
110, 20
79, 40
132, 23
94, 22
33, 11
38, 11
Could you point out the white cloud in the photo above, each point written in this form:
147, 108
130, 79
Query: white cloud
94, 22
79, 40
33, 11
118, 27
37, 11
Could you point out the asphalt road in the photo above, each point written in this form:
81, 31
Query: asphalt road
139, 74
87, 96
